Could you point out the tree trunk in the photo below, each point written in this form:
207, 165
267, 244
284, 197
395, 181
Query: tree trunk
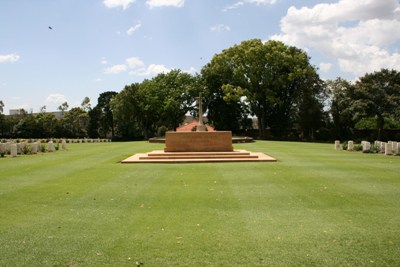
380, 121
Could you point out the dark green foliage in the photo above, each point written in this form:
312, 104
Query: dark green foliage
378, 95
270, 80
140, 109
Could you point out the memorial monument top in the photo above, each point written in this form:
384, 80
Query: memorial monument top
200, 127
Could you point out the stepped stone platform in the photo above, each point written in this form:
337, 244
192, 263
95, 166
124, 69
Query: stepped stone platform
198, 157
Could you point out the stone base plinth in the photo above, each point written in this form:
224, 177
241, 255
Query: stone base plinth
198, 141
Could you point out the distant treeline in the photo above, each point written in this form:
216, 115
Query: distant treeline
272, 82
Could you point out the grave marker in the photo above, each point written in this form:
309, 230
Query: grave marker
350, 146
337, 145
13, 150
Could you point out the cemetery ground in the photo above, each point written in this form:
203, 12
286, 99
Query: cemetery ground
314, 207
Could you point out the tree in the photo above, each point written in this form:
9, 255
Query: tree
309, 107
106, 120
85, 105
1, 107
140, 109
43, 109
126, 111
75, 122
341, 109
225, 108
47, 124
378, 94
94, 122
176, 91
271, 76
63, 107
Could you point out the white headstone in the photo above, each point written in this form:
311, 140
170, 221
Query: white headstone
13, 150
388, 149
337, 145
8, 147
51, 146
395, 146
2, 148
34, 148
383, 146
22, 146
63, 145
366, 146
19, 148
350, 146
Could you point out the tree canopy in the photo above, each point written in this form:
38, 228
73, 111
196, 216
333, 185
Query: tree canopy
270, 78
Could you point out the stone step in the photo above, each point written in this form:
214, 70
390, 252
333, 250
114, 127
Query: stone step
188, 154
198, 157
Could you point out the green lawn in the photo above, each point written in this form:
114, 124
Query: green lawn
314, 207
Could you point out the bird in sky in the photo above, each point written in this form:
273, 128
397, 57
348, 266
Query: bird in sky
50, 28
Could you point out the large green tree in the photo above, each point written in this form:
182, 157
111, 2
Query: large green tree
140, 109
341, 109
271, 76
75, 122
101, 116
378, 94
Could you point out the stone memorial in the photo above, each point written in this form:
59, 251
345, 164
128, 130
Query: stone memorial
366, 146
198, 146
13, 150
34, 148
8, 147
199, 141
63, 145
51, 146
2, 148
337, 145
19, 148
395, 146
398, 148
350, 146
388, 149
382, 148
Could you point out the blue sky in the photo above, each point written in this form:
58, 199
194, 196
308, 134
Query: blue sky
102, 45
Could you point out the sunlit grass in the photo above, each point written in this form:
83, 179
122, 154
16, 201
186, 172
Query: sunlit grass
314, 207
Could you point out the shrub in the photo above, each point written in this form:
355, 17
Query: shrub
27, 149
42, 147
358, 147
344, 145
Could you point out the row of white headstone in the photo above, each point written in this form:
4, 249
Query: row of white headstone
86, 140
387, 148
17, 148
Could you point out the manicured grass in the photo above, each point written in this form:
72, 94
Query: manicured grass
314, 207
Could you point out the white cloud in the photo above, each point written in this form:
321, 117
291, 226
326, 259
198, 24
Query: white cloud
133, 29
116, 69
355, 33
10, 58
325, 67
118, 3
257, 2
56, 99
191, 70
151, 70
220, 28
134, 62
137, 67
261, 2
161, 3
